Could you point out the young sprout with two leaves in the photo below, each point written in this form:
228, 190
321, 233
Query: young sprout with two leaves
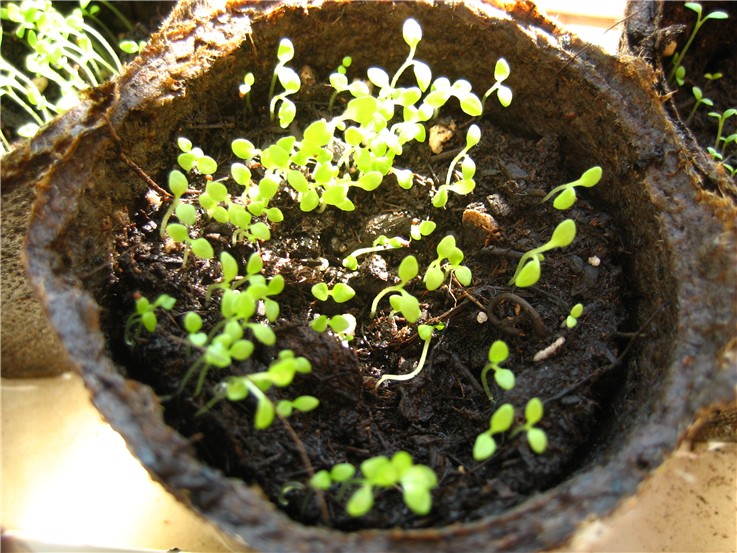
572, 318
280, 373
501, 421
536, 437
498, 353
401, 300
465, 184
180, 232
567, 192
715, 151
418, 230
194, 158
289, 80
415, 481
700, 99
425, 332
340, 293
344, 326
145, 316
485, 445
528, 269
438, 271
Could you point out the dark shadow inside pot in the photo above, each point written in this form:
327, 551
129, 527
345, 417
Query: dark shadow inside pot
680, 283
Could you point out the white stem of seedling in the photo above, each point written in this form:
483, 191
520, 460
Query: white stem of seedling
408, 376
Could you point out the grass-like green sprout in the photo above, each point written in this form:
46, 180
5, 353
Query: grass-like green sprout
401, 300
178, 186
425, 332
438, 271
144, 317
572, 318
466, 183
289, 80
700, 99
677, 69
498, 353
416, 482
501, 421
280, 373
536, 437
340, 293
567, 192
528, 269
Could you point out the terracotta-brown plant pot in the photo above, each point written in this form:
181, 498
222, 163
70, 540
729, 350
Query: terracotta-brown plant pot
679, 235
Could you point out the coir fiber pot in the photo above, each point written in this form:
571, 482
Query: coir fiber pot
677, 231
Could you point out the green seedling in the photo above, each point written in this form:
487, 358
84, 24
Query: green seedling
465, 184
425, 333
244, 90
180, 232
528, 269
344, 326
401, 300
485, 445
145, 317
700, 99
498, 353
504, 93
536, 437
382, 243
289, 81
567, 192
438, 271
230, 279
415, 481
572, 318
280, 374
339, 81
340, 293
721, 119
412, 34
64, 51
677, 72
418, 230
421, 228
178, 185
194, 158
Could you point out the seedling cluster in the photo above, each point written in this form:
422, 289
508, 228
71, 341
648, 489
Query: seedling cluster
360, 148
67, 56
376, 473
723, 150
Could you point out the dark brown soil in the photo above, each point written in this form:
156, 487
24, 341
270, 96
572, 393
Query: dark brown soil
436, 416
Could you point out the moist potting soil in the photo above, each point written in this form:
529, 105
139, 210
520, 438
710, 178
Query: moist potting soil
436, 416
